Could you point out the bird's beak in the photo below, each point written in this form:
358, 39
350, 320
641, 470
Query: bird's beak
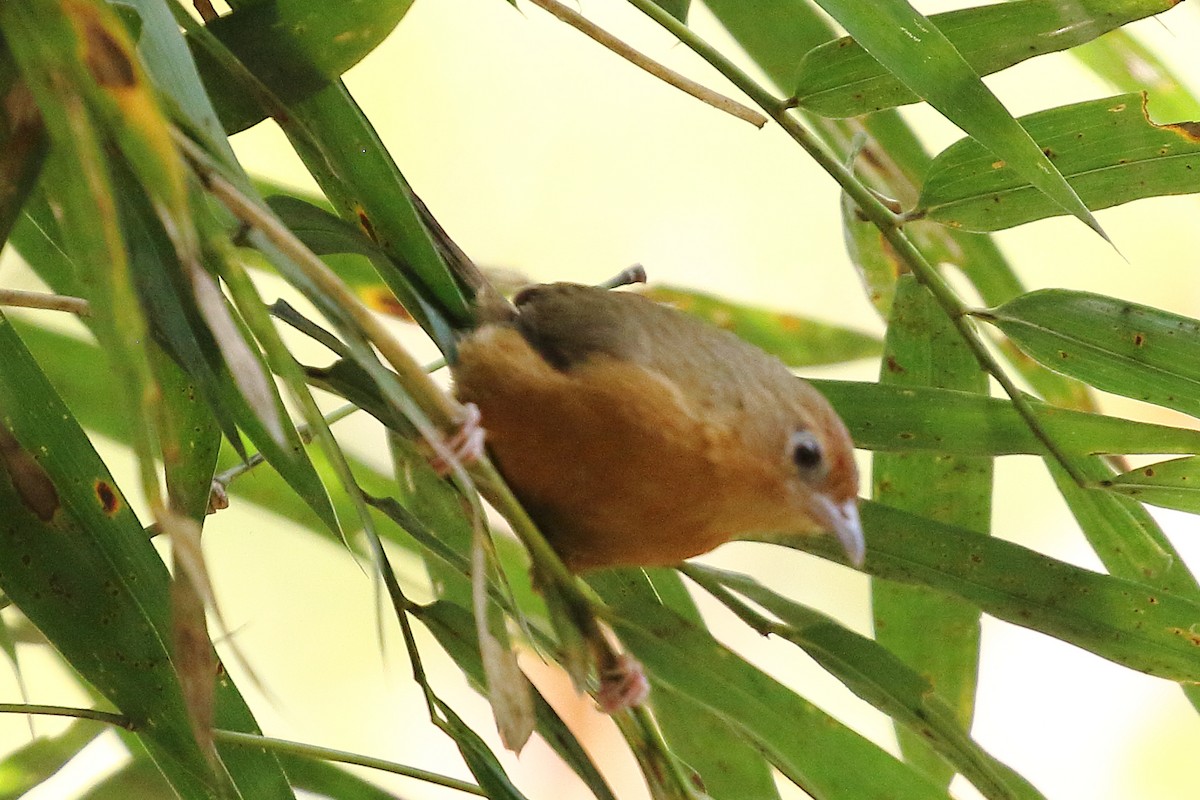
842, 520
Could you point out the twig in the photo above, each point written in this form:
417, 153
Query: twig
344, 757
255, 740
223, 479
47, 302
888, 223
663, 73
107, 717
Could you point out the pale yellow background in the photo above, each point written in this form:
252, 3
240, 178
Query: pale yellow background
542, 152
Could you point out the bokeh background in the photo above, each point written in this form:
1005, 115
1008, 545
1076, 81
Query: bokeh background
542, 152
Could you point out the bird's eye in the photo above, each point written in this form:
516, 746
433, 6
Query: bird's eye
805, 451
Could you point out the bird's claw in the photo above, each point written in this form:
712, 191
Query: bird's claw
623, 684
465, 445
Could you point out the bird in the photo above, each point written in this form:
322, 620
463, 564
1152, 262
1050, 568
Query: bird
636, 435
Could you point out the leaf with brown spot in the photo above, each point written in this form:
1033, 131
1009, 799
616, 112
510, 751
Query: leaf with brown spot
108, 610
840, 79
1129, 349
30, 480
1109, 150
110, 502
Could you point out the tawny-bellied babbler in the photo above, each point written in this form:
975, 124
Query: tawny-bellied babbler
636, 435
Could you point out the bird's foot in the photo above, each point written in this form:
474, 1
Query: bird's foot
465, 445
623, 684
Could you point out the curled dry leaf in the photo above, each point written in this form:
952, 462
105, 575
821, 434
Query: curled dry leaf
245, 367
508, 688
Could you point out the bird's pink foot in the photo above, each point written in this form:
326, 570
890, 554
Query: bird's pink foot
623, 684
465, 445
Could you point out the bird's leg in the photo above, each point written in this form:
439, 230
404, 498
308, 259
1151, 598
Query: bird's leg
623, 683
465, 445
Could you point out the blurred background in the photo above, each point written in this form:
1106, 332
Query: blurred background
541, 152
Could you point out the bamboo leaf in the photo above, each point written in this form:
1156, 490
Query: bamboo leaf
295, 48
1170, 484
326, 234
1130, 623
454, 629
165, 295
936, 635
876, 675
796, 341
365, 185
26, 768
841, 79
728, 762
915, 51
480, 759
45, 47
1130, 66
810, 748
876, 264
1127, 539
913, 418
773, 34
128, 105
1112, 344
1109, 150
109, 614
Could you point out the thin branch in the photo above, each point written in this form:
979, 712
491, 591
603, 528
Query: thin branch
47, 302
344, 757
107, 717
888, 223
222, 479
663, 73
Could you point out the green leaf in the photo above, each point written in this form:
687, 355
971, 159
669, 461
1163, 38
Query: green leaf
676, 8
48, 52
915, 51
876, 263
1108, 149
796, 341
1112, 344
1127, 539
1130, 623
108, 611
165, 56
878, 676
326, 234
138, 778
912, 418
454, 629
191, 440
23, 145
180, 330
727, 761
28, 767
773, 34
1170, 484
935, 634
480, 759
841, 79
1130, 66
358, 175
294, 47
810, 748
